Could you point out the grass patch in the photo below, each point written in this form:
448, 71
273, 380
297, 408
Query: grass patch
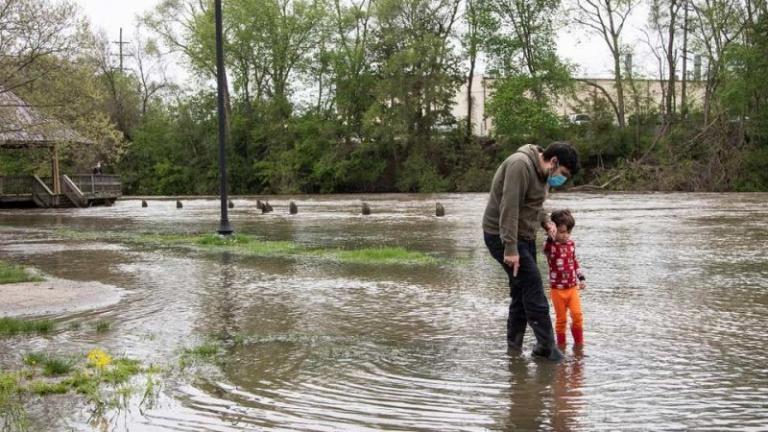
12, 326
13, 416
244, 244
103, 326
56, 366
34, 358
205, 350
121, 371
43, 388
384, 255
104, 382
65, 374
15, 274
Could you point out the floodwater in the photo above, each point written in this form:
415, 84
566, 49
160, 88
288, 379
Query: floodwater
676, 317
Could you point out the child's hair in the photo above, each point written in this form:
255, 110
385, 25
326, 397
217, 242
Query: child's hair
563, 217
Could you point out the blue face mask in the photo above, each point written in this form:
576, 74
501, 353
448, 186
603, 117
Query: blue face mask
556, 180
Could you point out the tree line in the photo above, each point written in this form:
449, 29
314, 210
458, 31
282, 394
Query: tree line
357, 95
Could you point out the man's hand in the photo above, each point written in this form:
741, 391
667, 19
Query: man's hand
514, 262
551, 229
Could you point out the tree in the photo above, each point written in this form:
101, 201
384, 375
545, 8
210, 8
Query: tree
520, 38
606, 18
719, 24
475, 15
187, 27
352, 72
664, 20
418, 74
32, 32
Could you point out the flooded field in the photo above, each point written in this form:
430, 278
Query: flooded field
675, 316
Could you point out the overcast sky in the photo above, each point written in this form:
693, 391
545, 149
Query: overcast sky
588, 52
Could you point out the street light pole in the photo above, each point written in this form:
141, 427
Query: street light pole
224, 227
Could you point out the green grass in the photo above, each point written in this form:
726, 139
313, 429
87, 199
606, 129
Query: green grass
383, 255
121, 371
12, 326
56, 366
9, 386
13, 416
65, 374
34, 358
43, 388
103, 326
205, 350
244, 244
15, 274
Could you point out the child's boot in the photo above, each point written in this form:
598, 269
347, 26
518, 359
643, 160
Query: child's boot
578, 335
560, 339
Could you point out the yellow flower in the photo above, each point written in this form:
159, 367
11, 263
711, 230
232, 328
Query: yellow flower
99, 358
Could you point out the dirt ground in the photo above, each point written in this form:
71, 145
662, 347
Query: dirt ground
55, 296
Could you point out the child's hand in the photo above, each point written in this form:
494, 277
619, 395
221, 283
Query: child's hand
551, 229
582, 285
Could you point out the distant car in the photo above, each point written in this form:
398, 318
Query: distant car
579, 119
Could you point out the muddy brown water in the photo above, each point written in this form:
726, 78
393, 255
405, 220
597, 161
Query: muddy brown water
675, 315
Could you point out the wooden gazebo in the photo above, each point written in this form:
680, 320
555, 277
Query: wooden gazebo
23, 127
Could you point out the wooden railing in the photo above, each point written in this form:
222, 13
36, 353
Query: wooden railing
41, 194
70, 189
98, 184
16, 185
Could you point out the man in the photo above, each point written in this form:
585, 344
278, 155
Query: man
514, 211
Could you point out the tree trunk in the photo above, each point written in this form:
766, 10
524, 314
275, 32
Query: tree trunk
620, 110
472, 60
671, 69
684, 78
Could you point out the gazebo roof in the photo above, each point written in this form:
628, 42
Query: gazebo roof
22, 126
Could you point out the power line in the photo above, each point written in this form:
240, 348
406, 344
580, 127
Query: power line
121, 43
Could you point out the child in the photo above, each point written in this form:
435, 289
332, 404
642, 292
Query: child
565, 278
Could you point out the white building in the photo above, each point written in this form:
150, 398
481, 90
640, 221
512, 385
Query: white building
650, 91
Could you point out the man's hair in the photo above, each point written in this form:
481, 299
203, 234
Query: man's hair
563, 217
566, 155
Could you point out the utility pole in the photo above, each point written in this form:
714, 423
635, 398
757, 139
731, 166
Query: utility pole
224, 227
120, 43
683, 94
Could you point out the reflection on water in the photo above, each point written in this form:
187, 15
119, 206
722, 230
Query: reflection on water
674, 316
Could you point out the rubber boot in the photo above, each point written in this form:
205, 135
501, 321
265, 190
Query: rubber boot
560, 339
551, 353
578, 335
516, 343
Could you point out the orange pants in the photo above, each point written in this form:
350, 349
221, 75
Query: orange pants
564, 300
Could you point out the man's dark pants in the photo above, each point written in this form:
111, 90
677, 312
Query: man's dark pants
529, 303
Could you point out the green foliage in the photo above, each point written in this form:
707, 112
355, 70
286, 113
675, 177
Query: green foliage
44, 388
12, 326
328, 96
34, 358
384, 255
54, 366
102, 326
15, 274
520, 117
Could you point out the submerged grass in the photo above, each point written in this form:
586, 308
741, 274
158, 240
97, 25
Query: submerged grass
15, 274
48, 375
244, 244
11, 326
103, 326
56, 366
383, 255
